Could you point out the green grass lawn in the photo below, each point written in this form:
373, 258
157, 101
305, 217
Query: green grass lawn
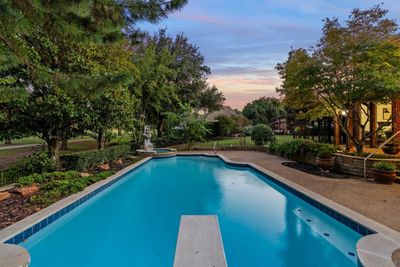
14, 152
236, 141
25, 141
76, 146
33, 140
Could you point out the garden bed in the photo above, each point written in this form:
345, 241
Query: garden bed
16, 207
312, 169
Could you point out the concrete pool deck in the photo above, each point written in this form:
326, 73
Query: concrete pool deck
376, 201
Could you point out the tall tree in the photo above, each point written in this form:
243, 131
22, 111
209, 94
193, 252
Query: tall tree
179, 76
354, 65
297, 91
153, 85
113, 108
56, 43
13, 100
54, 116
210, 99
263, 110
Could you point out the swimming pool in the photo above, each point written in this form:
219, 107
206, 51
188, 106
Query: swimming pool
135, 222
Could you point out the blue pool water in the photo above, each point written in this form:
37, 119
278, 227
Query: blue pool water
135, 222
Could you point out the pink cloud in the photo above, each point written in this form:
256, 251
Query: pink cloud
239, 100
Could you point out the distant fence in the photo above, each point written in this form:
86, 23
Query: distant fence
6, 180
240, 142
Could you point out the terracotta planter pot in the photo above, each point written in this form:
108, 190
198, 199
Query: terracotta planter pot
325, 164
385, 177
391, 149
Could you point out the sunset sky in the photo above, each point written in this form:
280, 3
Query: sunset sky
243, 40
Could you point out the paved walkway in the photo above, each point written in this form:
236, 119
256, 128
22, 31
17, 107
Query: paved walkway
17, 146
376, 201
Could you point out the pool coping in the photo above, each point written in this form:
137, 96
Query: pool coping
374, 249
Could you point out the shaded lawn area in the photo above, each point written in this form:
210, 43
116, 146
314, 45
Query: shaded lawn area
83, 145
9, 156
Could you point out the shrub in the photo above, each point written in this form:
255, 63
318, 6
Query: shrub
88, 159
226, 125
262, 134
38, 162
247, 130
324, 155
274, 146
63, 184
170, 139
38, 178
384, 166
301, 147
119, 140
327, 148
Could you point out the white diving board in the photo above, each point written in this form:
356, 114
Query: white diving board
199, 242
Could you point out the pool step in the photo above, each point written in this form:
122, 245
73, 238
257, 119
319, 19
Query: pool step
199, 242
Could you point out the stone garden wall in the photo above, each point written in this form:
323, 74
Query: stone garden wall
355, 165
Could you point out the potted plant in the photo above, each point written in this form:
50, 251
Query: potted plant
384, 172
325, 160
391, 149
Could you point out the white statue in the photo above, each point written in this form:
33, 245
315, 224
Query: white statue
148, 146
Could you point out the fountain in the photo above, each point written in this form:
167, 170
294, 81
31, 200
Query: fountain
150, 151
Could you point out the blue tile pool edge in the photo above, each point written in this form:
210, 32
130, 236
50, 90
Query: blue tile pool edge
31, 229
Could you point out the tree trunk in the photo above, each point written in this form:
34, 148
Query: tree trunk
64, 144
349, 143
119, 131
336, 130
357, 131
372, 125
101, 140
359, 148
53, 145
160, 126
7, 141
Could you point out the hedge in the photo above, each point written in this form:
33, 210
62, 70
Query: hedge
85, 160
300, 147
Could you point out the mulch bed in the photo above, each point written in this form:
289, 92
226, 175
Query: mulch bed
17, 207
311, 169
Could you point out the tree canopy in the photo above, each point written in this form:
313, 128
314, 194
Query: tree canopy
172, 71
353, 65
71, 59
263, 110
